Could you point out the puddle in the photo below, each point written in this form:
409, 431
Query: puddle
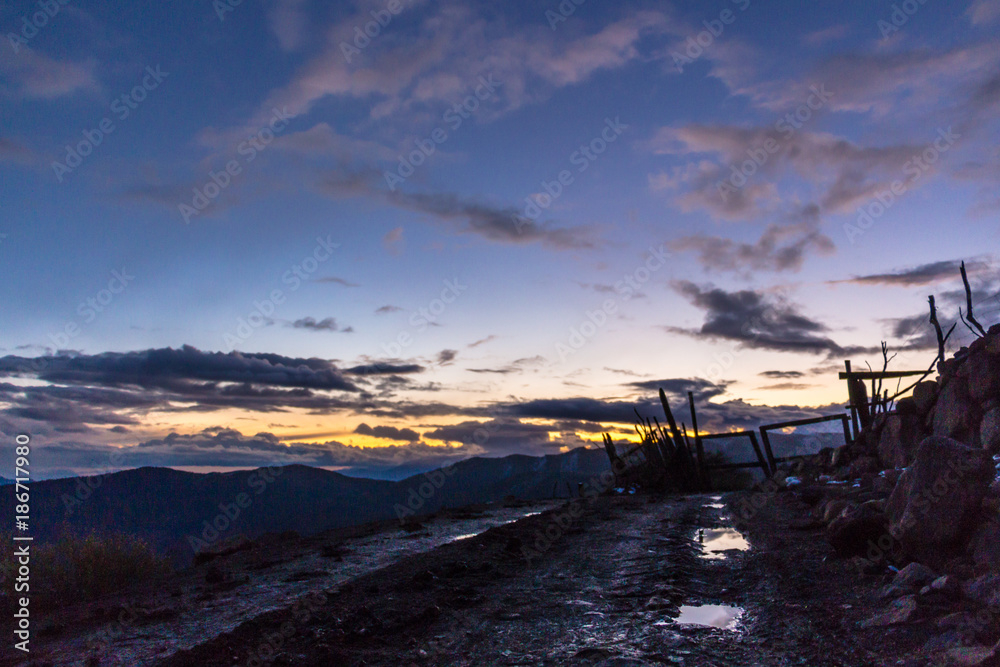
718, 506
463, 537
711, 616
716, 541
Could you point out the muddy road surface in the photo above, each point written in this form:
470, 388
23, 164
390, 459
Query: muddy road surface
622, 580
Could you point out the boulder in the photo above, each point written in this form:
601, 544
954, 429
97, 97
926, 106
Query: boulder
985, 590
946, 587
865, 465
985, 546
975, 656
953, 411
913, 577
901, 611
924, 395
993, 345
984, 378
855, 529
938, 497
989, 431
898, 441
833, 509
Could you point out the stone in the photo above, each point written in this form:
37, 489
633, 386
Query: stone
946, 585
938, 497
984, 378
866, 465
833, 509
953, 411
906, 406
899, 439
959, 620
974, 656
985, 590
924, 395
899, 612
985, 546
913, 577
855, 529
989, 431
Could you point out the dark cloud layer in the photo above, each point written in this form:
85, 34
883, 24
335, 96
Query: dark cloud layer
756, 321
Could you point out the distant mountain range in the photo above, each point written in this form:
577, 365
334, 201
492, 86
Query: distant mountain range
4, 481
166, 506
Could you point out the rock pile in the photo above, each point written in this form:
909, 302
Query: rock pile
918, 494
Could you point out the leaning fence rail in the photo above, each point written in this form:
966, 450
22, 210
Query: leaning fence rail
774, 461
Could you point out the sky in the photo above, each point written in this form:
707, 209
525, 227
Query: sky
363, 235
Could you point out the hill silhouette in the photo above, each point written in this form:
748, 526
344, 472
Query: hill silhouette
179, 512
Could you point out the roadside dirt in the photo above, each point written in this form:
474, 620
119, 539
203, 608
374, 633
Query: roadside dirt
604, 588
249, 579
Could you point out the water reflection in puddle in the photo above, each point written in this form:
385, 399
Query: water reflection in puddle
711, 616
714, 542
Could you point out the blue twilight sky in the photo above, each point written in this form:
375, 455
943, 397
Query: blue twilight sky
401, 231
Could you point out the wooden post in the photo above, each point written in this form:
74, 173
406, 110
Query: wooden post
699, 447
760, 457
767, 448
851, 400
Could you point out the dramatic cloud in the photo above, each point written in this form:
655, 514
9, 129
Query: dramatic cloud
780, 248
168, 367
755, 321
288, 22
336, 281
446, 357
703, 390
326, 324
504, 225
713, 417
843, 173
385, 368
506, 436
782, 375
483, 341
219, 446
925, 274
445, 48
388, 432
33, 75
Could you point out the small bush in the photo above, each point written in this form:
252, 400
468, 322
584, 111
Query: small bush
79, 568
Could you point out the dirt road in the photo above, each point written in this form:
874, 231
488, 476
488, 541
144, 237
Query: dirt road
608, 582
